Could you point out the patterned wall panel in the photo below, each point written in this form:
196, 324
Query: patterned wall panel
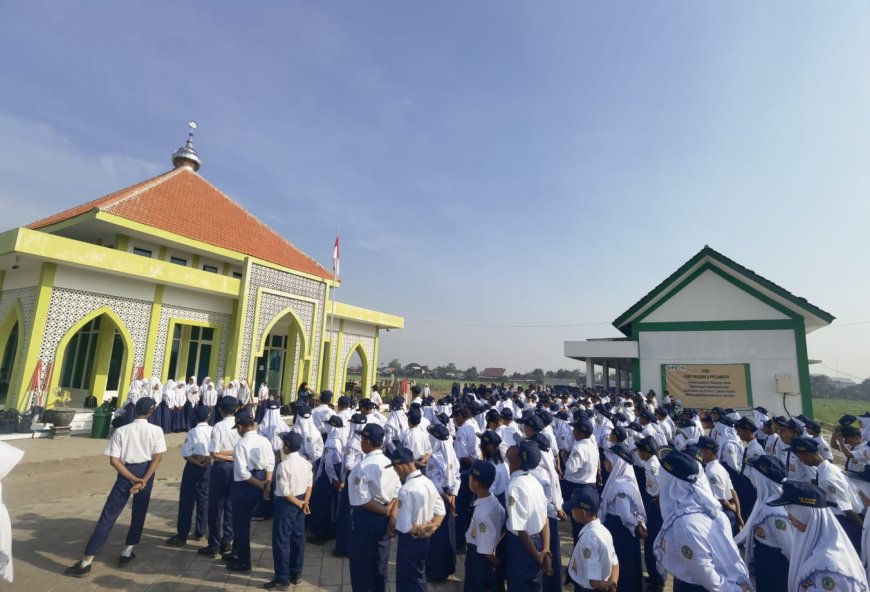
289, 285
68, 307
348, 341
167, 312
27, 297
333, 340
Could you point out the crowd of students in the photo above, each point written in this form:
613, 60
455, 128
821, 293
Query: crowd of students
715, 499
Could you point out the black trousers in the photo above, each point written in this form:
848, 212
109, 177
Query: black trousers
194, 493
115, 504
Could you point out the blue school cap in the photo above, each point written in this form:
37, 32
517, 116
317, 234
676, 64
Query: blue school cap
801, 493
144, 405
292, 440
229, 404
483, 472
585, 498
201, 414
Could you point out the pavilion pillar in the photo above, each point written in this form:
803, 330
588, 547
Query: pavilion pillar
618, 378
590, 373
605, 372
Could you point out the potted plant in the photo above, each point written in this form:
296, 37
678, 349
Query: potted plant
61, 416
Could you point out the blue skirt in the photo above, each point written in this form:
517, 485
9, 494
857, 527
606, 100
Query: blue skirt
627, 547
441, 560
321, 524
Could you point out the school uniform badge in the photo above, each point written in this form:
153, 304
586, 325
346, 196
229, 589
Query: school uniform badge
759, 533
482, 527
780, 524
474, 532
587, 553
827, 583
356, 480
687, 552
511, 501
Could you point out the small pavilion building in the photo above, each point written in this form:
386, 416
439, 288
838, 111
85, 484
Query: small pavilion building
170, 278
713, 333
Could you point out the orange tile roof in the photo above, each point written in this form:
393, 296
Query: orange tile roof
183, 203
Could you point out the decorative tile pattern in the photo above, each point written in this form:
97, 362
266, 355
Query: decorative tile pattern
168, 312
68, 307
290, 285
333, 340
348, 342
27, 297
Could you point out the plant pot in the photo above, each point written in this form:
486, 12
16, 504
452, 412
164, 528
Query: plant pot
48, 416
61, 418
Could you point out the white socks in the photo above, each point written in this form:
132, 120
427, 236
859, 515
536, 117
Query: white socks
127, 552
87, 560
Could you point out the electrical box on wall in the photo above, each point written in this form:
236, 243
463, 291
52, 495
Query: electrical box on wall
785, 385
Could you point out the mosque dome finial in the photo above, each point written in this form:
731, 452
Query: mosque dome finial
186, 155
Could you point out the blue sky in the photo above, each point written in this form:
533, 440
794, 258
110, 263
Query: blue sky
488, 162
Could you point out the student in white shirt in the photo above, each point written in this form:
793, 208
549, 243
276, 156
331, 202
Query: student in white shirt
647, 452
322, 412
582, 465
484, 533
528, 539
253, 464
135, 451
194, 480
417, 515
593, 564
293, 484
720, 482
443, 470
372, 490
623, 514
821, 556
830, 478
416, 439
224, 438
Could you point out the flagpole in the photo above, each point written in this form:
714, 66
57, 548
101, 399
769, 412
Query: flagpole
335, 255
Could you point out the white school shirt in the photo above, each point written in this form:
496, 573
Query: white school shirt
486, 525
838, 489
593, 557
502, 478
370, 480
466, 443
252, 453
293, 476
197, 440
526, 504
720, 481
582, 463
860, 458
319, 415
224, 436
419, 502
797, 471
136, 442
417, 441
209, 396
824, 448
651, 470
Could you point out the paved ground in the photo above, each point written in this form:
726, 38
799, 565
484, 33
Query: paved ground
55, 497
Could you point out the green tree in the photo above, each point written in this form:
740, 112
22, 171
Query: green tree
470, 374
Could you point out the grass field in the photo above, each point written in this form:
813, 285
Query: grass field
830, 410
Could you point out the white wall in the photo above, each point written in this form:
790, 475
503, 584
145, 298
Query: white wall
102, 283
197, 300
767, 352
356, 328
26, 276
709, 297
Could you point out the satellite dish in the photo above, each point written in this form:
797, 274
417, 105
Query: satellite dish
192, 125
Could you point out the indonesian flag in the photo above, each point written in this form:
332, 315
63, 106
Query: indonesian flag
335, 258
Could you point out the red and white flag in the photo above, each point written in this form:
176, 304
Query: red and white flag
335, 258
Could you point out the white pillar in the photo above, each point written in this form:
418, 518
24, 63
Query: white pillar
590, 373
618, 378
605, 374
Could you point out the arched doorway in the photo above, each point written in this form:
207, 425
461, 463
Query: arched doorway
94, 358
355, 372
280, 360
11, 342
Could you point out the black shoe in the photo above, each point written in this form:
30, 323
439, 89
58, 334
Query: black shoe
77, 571
226, 548
230, 557
197, 536
277, 585
294, 580
174, 541
244, 568
124, 560
210, 551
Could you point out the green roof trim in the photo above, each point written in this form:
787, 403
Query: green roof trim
622, 322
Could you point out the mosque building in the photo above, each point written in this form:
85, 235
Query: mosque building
713, 333
170, 278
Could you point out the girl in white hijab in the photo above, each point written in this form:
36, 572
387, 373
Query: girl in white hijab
9, 457
822, 557
622, 513
312, 441
244, 392
767, 533
695, 543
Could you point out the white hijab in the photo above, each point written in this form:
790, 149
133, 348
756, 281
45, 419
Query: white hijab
312, 445
244, 392
760, 418
443, 452
135, 392
824, 546
621, 480
766, 489
9, 457
272, 427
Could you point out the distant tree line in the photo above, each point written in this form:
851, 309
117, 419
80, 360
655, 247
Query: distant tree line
824, 388
451, 372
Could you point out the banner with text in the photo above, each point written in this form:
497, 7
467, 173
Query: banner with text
708, 385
